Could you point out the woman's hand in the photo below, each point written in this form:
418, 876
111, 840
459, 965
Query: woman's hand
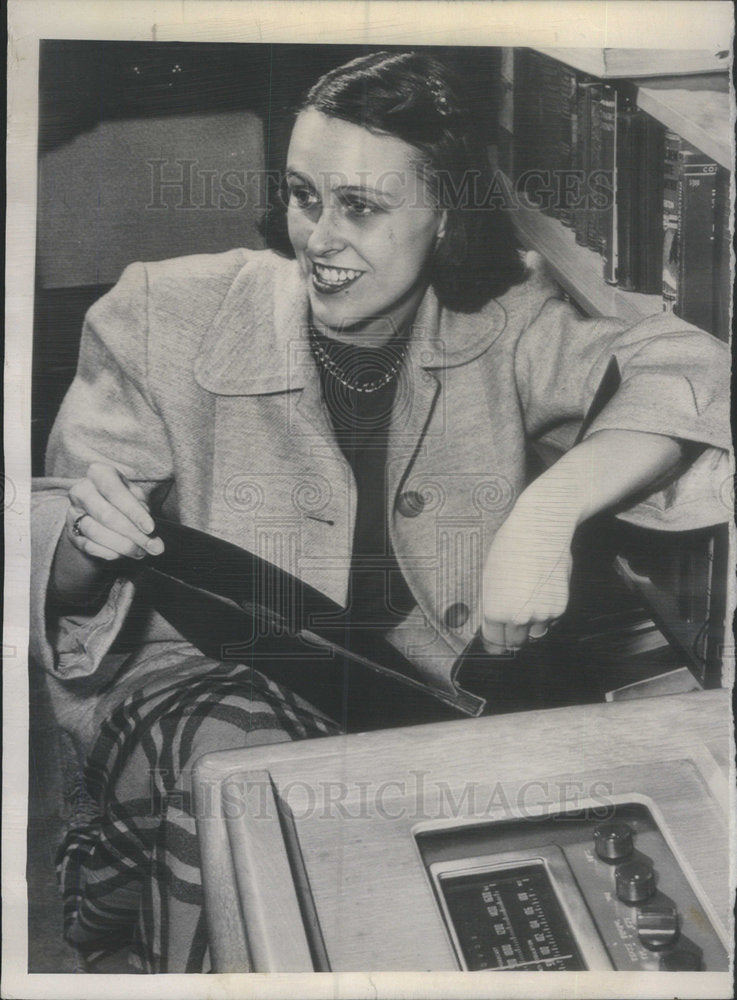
526, 578
107, 520
111, 516
528, 568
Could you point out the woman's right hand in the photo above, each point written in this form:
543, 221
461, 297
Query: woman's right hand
111, 517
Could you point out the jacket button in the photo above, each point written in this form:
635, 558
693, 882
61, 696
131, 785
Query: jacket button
456, 615
410, 504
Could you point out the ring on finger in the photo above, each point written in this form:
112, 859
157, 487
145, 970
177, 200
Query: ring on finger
76, 530
499, 648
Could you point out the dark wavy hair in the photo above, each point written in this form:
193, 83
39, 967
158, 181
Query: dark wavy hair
416, 98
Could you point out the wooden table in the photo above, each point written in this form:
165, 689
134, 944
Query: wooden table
350, 807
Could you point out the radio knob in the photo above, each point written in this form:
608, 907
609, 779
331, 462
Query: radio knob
657, 926
635, 881
613, 841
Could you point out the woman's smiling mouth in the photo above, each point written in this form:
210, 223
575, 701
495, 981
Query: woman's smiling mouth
333, 279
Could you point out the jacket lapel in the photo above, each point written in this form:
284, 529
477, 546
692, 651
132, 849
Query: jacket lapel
440, 340
259, 345
253, 347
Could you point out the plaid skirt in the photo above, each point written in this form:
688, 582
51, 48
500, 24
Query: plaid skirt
129, 866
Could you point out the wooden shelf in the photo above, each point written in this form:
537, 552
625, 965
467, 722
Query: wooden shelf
634, 63
686, 90
697, 108
579, 270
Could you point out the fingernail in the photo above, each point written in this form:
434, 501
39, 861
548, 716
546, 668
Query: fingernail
146, 525
155, 546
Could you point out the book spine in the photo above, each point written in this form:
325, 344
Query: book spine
581, 154
629, 147
650, 177
596, 205
669, 270
569, 126
549, 128
696, 198
608, 232
524, 101
723, 275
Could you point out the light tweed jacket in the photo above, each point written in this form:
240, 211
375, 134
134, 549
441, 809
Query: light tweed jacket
198, 370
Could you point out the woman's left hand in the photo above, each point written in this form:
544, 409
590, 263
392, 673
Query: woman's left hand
526, 578
528, 568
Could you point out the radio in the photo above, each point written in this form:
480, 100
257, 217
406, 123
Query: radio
570, 893
572, 841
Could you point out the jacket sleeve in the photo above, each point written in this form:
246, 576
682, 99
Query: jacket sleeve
108, 415
675, 382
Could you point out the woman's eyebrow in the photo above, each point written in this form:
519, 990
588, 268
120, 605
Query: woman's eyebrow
350, 189
381, 195
291, 172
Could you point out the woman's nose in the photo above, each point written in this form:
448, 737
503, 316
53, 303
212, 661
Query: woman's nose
326, 237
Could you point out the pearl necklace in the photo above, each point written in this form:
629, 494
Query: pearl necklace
333, 368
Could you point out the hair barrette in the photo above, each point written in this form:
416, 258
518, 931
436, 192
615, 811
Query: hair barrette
439, 96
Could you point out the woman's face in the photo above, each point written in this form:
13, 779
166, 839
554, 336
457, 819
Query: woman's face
361, 226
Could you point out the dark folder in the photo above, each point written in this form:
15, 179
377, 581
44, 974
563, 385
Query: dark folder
236, 606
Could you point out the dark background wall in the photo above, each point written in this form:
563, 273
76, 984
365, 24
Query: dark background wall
116, 119
120, 120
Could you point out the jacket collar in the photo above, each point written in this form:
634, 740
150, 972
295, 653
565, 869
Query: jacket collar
258, 342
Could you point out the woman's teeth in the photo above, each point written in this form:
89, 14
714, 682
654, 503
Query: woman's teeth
335, 278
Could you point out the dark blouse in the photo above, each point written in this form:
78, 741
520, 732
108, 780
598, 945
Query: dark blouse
378, 593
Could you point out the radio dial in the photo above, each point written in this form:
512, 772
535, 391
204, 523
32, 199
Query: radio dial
657, 926
635, 881
613, 841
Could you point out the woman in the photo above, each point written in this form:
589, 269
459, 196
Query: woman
359, 416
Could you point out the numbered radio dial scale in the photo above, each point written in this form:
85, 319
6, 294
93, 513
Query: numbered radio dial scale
574, 894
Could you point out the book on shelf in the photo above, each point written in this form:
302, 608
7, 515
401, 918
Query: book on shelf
596, 177
547, 127
608, 228
555, 129
537, 129
567, 138
628, 196
723, 277
581, 151
650, 167
670, 222
586, 222
657, 211
525, 114
689, 200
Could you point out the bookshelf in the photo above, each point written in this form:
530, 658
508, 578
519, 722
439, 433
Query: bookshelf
695, 105
683, 583
578, 269
688, 91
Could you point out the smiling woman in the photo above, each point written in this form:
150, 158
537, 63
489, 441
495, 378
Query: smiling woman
362, 227
359, 416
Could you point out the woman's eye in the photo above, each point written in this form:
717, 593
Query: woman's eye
360, 209
302, 197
